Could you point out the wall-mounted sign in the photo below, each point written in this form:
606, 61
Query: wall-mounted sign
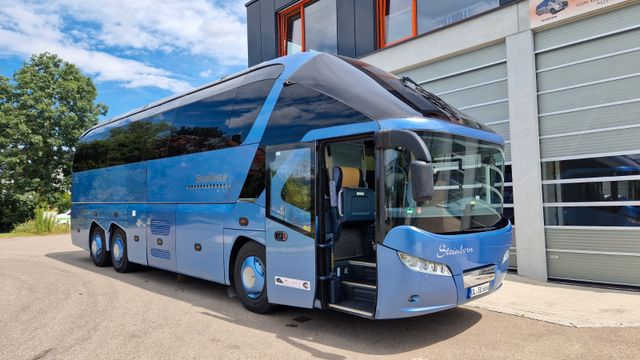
548, 11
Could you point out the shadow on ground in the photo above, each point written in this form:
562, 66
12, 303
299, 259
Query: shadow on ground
292, 325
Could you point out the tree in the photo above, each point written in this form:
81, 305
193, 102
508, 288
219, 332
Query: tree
43, 112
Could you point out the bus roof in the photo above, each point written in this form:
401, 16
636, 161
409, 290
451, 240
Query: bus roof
291, 60
365, 88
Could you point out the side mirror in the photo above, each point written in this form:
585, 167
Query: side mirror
422, 180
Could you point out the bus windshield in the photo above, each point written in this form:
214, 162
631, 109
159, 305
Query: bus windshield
468, 178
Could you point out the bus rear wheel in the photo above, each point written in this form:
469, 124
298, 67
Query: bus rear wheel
98, 248
119, 256
249, 278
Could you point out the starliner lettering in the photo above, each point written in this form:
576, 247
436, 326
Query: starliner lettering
444, 250
210, 178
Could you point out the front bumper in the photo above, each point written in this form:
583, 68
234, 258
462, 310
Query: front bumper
403, 292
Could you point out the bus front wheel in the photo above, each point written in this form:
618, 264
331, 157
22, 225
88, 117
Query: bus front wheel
98, 247
249, 278
119, 257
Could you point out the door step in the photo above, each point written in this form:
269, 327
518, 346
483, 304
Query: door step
358, 271
361, 263
354, 307
360, 285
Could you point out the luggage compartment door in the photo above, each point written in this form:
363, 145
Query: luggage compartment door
161, 236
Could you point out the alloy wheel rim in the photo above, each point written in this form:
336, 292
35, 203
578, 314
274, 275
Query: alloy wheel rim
118, 250
252, 276
96, 245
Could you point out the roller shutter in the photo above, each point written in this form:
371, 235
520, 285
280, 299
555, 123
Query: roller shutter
588, 77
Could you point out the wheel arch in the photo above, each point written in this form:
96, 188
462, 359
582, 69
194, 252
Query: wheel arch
238, 243
95, 224
112, 228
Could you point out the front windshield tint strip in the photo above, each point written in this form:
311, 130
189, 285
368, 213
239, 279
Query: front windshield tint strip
469, 180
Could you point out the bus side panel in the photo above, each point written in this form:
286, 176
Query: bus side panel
199, 240
80, 225
83, 215
252, 212
117, 184
209, 177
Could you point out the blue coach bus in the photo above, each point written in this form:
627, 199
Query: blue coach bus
310, 180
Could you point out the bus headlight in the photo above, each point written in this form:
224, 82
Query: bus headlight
424, 266
505, 257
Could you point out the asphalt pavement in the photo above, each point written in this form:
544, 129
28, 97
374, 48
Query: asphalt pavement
55, 304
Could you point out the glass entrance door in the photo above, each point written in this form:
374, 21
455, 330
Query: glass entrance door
291, 225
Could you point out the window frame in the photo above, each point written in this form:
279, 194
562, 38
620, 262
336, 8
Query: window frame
283, 17
381, 30
380, 8
283, 25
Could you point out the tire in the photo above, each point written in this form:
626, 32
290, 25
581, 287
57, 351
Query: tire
553, 11
98, 248
249, 278
119, 255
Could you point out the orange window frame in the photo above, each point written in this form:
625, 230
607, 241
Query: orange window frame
283, 21
381, 10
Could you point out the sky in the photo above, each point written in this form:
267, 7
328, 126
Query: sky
136, 51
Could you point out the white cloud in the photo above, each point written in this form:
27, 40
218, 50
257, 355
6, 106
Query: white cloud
214, 30
197, 27
206, 73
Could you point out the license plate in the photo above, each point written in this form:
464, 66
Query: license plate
479, 290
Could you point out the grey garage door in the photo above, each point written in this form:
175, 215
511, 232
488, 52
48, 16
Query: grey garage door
588, 75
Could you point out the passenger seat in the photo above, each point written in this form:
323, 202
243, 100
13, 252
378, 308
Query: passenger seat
356, 202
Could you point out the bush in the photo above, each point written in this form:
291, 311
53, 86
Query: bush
63, 202
16, 209
29, 228
44, 221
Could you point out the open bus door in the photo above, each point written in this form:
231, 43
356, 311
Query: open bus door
291, 224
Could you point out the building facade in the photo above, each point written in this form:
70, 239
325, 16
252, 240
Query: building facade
559, 80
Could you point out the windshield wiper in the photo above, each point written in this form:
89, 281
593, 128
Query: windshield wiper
451, 112
479, 228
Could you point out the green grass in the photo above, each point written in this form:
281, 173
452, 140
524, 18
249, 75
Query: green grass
15, 234
29, 228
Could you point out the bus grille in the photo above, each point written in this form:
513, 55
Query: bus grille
160, 227
161, 253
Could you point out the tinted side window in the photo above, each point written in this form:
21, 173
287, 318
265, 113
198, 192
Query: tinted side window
300, 110
248, 103
200, 126
91, 152
126, 143
216, 122
255, 182
158, 131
